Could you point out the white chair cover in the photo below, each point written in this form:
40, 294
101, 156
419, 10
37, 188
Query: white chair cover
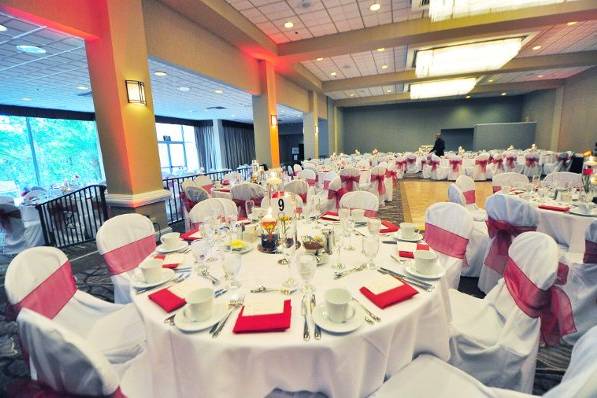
511, 162
467, 185
18, 234
360, 200
299, 187
496, 165
578, 281
455, 167
246, 191
426, 167
531, 167
378, 185
494, 339
438, 172
560, 163
350, 177
480, 170
563, 179
448, 228
413, 165
390, 180
507, 216
232, 176
41, 280
297, 169
401, 166
208, 208
125, 241
190, 196
513, 180
229, 207
334, 194
309, 176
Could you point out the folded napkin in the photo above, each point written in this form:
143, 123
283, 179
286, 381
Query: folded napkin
389, 227
384, 298
225, 182
223, 190
330, 216
264, 323
555, 207
191, 235
167, 300
409, 254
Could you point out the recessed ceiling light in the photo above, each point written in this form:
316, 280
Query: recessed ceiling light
184, 89
82, 87
289, 25
25, 99
384, 67
389, 90
536, 48
504, 94
490, 80
571, 23
381, 49
467, 97
352, 95
539, 76
160, 73
3, 28
320, 59
375, 7
218, 91
30, 49
333, 74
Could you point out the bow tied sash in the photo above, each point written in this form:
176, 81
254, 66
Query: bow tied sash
337, 194
392, 174
381, 186
511, 162
470, 197
129, 256
411, 160
502, 234
349, 181
551, 306
445, 242
499, 163
531, 162
482, 163
455, 164
401, 165
241, 203
186, 202
433, 164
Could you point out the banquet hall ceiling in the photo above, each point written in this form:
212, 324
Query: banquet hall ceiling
59, 79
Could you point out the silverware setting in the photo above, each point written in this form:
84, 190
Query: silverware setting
205, 273
407, 279
217, 328
371, 314
263, 289
316, 328
342, 274
306, 334
181, 277
398, 260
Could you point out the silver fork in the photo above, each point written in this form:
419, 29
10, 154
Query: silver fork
205, 273
216, 332
342, 274
176, 280
306, 335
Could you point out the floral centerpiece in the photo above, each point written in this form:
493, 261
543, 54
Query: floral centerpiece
269, 239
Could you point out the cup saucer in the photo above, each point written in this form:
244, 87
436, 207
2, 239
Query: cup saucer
414, 238
321, 319
438, 272
163, 249
138, 283
187, 325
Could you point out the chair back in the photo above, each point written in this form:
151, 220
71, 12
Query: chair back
350, 177
232, 176
468, 188
309, 175
455, 195
40, 279
299, 187
510, 179
63, 360
562, 179
228, 206
208, 208
11, 222
360, 200
124, 241
297, 168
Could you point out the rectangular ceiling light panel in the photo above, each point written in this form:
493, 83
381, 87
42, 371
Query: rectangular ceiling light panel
465, 58
442, 88
440, 10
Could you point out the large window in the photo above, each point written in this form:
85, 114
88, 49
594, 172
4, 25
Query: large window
46, 152
178, 152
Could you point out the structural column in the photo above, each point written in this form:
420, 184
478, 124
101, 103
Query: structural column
126, 130
265, 117
311, 128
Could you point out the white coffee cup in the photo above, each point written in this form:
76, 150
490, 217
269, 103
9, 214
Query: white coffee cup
337, 302
199, 304
151, 270
171, 240
358, 214
407, 230
425, 261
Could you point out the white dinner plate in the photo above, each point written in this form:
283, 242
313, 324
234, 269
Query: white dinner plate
321, 319
162, 249
416, 238
138, 283
590, 213
437, 273
186, 325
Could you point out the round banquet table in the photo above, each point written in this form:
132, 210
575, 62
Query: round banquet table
252, 365
218, 193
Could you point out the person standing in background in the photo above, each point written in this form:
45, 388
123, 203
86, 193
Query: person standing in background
439, 146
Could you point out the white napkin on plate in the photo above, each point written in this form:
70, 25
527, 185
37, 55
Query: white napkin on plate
263, 304
382, 283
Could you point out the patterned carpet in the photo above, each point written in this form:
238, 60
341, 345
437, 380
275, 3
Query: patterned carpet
92, 277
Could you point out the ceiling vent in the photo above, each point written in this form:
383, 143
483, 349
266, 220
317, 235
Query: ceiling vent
209, 108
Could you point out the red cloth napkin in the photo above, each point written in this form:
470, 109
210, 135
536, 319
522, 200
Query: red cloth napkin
225, 182
555, 208
391, 296
389, 227
264, 323
167, 300
334, 215
223, 190
171, 266
407, 254
187, 235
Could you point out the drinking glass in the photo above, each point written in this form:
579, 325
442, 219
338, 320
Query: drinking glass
347, 228
307, 265
344, 214
370, 249
338, 242
201, 249
288, 250
374, 225
232, 264
249, 206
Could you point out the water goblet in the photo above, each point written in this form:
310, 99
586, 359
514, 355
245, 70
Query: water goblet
374, 225
249, 207
307, 264
232, 264
370, 249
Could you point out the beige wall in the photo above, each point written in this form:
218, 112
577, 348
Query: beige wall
578, 130
539, 107
292, 95
322, 105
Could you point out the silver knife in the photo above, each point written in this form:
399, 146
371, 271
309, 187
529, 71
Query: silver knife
409, 277
371, 314
306, 335
409, 281
316, 328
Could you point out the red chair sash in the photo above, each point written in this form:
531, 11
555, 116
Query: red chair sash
311, 181
241, 203
381, 186
490, 160
455, 164
511, 162
434, 164
401, 164
445, 242
496, 188
482, 164
501, 233
51, 295
411, 160
531, 162
590, 252
208, 188
499, 164
470, 197
129, 256
392, 174
562, 277
349, 181
337, 195
326, 184
186, 202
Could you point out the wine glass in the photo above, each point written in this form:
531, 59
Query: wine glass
200, 249
307, 265
344, 214
288, 250
370, 249
347, 228
232, 264
249, 206
338, 242
374, 225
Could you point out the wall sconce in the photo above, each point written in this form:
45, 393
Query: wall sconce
135, 92
274, 120
316, 130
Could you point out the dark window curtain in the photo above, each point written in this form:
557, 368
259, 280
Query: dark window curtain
239, 144
205, 139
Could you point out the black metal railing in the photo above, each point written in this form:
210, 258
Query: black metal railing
73, 218
174, 206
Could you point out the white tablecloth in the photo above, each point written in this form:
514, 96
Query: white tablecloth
567, 229
252, 365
